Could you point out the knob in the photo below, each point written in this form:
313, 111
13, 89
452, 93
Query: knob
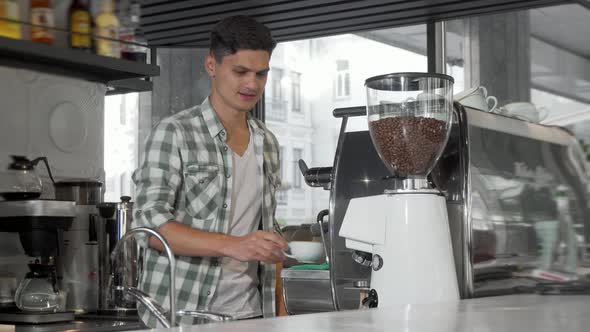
362, 258
372, 301
377, 263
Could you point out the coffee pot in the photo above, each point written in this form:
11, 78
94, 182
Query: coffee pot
38, 291
21, 180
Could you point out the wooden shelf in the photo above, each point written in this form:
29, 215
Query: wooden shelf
119, 75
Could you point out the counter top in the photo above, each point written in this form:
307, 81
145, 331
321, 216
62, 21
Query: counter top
539, 313
81, 325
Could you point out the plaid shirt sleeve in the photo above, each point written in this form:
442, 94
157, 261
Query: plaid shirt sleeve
158, 178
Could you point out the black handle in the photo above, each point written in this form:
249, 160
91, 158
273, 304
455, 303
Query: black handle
320, 220
316, 176
372, 301
349, 112
322, 214
44, 159
92, 233
303, 167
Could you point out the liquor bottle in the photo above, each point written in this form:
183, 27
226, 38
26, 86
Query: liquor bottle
107, 25
80, 25
130, 34
9, 10
42, 20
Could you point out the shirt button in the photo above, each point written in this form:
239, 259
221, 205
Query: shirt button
225, 148
223, 133
208, 292
201, 181
228, 175
224, 206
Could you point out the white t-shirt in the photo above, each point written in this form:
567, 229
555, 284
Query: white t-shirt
237, 292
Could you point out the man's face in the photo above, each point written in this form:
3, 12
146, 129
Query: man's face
239, 80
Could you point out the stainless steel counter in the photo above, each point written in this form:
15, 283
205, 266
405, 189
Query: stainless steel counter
82, 325
539, 313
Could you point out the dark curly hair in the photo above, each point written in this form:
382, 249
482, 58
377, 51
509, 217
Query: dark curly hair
239, 32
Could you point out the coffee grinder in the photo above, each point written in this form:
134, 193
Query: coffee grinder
40, 225
403, 234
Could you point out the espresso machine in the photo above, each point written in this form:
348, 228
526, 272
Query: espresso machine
503, 181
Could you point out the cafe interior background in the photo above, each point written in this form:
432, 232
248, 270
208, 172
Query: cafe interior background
538, 55
528, 55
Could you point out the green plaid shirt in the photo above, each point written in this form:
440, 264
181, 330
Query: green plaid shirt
186, 176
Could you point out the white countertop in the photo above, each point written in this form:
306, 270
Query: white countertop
538, 313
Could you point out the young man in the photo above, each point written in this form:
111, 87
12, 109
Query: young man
207, 184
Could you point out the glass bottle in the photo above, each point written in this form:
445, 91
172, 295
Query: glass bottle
9, 10
130, 34
107, 25
42, 19
80, 25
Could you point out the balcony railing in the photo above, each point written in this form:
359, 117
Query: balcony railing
276, 110
282, 197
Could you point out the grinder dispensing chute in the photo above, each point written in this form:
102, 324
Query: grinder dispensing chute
406, 228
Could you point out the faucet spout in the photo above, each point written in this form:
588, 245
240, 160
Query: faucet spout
151, 305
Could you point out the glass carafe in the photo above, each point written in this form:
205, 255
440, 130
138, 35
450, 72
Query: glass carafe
20, 180
38, 291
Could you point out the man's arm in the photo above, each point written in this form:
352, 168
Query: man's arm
187, 241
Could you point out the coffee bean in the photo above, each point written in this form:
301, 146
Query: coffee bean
408, 145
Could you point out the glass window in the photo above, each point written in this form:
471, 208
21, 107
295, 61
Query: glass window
528, 56
120, 145
317, 65
282, 191
275, 105
296, 92
342, 79
277, 76
297, 154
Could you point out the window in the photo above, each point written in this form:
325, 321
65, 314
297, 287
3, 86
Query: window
312, 67
296, 92
282, 197
276, 90
120, 145
546, 67
297, 154
275, 106
342, 79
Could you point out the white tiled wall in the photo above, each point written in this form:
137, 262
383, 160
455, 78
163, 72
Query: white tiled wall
53, 116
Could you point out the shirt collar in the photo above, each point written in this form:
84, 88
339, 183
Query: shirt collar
215, 126
212, 121
255, 126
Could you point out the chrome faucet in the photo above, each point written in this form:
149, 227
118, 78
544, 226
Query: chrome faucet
152, 306
142, 297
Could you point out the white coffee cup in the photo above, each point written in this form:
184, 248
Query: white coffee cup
525, 111
477, 98
306, 251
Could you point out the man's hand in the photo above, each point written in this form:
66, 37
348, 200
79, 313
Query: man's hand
257, 246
